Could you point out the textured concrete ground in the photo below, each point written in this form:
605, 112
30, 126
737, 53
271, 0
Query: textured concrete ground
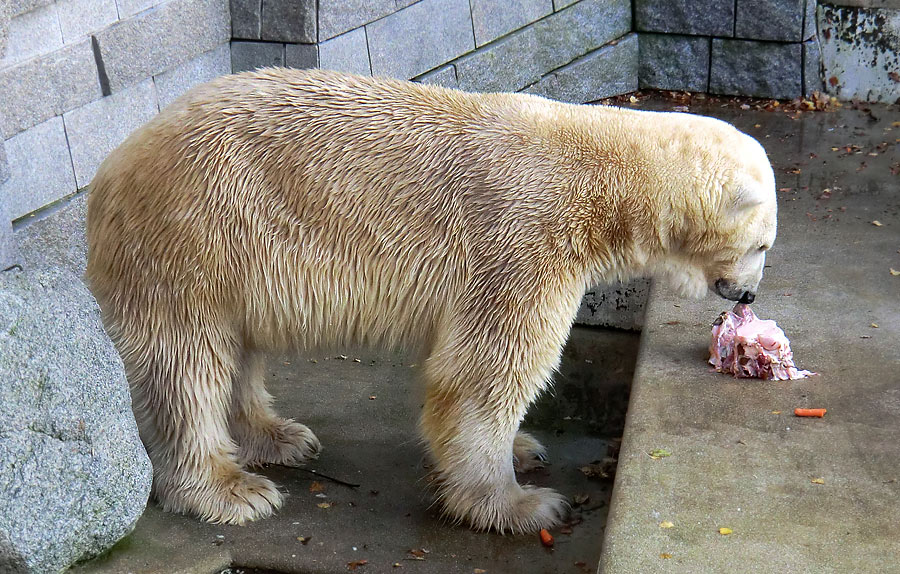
365, 415
739, 458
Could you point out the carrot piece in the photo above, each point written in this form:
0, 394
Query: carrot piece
810, 412
546, 538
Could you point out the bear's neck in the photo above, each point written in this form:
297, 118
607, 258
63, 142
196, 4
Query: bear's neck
629, 198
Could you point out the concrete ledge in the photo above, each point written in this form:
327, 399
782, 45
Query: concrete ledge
132, 49
96, 129
607, 71
44, 87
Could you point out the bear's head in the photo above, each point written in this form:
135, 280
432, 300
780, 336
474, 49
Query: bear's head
730, 223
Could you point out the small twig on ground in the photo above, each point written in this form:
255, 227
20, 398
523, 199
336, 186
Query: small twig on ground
331, 478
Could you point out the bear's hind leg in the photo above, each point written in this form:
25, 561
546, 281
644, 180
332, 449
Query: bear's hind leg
528, 453
263, 437
181, 387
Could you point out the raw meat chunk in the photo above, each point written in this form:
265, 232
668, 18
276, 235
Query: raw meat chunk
749, 347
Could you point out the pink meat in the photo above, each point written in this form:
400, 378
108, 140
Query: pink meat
746, 346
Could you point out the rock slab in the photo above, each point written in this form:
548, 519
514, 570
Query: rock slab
74, 477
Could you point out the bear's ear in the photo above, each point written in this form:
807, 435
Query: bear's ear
749, 196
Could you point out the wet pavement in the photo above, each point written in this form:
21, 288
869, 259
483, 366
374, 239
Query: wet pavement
364, 409
799, 495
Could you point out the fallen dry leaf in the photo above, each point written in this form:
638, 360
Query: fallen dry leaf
724, 531
666, 524
665, 555
316, 486
600, 468
776, 412
304, 539
874, 325
324, 505
894, 272
818, 481
877, 223
417, 554
658, 453
356, 564
479, 571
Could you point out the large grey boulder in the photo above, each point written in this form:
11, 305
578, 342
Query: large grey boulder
74, 477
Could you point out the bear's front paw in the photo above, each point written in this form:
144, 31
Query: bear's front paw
528, 453
280, 441
232, 498
521, 510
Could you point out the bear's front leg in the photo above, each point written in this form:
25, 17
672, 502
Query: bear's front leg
470, 420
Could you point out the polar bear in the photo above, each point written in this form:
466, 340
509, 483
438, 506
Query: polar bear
285, 209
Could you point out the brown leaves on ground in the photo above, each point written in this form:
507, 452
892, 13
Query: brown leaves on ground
316, 486
356, 564
682, 101
602, 469
417, 554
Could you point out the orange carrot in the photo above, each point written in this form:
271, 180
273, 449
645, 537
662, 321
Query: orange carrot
546, 538
810, 412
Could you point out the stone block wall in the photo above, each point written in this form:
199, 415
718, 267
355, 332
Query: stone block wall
77, 76
577, 51
761, 48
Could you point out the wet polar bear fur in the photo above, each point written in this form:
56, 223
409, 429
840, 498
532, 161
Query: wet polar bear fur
284, 209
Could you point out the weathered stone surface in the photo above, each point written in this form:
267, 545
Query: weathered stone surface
418, 38
443, 76
74, 477
128, 8
780, 20
288, 21
809, 19
620, 305
40, 168
246, 19
301, 56
492, 19
704, 17
607, 71
860, 52
78, 18
97, 128
172, 83
252, 55
812, 67
31, 34
339, 16
523, 57
22, 6
674, 62
44, 87
131, 49
346, 53
7, 243
760, 69
5, 17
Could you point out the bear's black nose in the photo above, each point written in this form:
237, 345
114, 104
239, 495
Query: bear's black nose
747, 297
